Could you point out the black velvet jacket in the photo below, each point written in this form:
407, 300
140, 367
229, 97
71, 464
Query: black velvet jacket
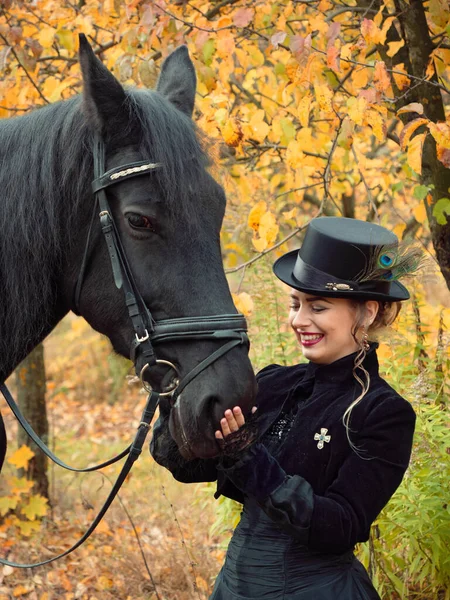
325, 497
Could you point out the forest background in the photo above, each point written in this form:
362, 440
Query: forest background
309, 108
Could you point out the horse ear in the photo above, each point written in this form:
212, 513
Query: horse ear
177, 80
103, 96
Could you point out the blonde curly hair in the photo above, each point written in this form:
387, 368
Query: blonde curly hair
386, 315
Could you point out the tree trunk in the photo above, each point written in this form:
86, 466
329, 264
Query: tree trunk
30, 380
416, 55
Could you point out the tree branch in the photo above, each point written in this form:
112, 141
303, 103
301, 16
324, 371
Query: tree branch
14, 53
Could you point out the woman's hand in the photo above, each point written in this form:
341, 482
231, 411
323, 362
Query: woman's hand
232, 421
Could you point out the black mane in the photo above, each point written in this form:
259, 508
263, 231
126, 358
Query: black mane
45, 178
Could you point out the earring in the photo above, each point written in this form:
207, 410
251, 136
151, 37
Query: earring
365, 340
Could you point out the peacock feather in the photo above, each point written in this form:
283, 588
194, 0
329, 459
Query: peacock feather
392, 262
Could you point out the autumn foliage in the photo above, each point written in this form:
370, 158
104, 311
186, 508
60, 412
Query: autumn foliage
314, 107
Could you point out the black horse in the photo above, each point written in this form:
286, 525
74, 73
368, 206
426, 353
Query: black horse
168, 221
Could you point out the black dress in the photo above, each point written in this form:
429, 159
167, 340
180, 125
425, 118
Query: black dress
308, 496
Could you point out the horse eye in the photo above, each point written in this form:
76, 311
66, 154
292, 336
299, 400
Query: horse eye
140, 222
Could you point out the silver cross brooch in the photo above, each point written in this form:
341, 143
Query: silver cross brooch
322, 437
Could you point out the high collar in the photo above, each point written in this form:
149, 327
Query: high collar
341, 370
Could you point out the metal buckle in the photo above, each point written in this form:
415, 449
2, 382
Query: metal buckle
142, 339
148, 388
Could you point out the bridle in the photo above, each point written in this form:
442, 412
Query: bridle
227, 328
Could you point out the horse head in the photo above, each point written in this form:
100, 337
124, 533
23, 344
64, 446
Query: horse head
167, 218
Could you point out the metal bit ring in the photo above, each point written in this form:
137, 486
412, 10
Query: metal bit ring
147, 387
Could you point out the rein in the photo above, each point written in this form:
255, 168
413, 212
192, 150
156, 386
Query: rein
228, 329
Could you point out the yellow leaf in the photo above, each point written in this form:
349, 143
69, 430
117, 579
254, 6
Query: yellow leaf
303, 110
7, 503
360, 77
399, 229
268, 227
420, 213
232, 133
21, 457
294, 154
255, 214
244, 303
225, 45
356, 108
324, 97
378, 18
394, 47
400, 77
46, 36
104, 583
412, 107
20, 485
21, 590
67, 39
260, 244
409, 129
370, 32
414, 155
36, 507
441, 133
202, 584
290, 214
376, 122
28, 527
259, 128
386, 26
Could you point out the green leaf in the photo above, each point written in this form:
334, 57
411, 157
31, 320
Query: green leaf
7, 503
396, 187
209, 49
420, 191
441, 210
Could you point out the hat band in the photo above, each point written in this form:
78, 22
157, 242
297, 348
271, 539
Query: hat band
312, 278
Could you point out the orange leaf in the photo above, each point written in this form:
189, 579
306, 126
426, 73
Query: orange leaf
243, 16
21, 457
333, 58
370, 32
441, 133
381, 78
21, 590
420, 213
401, 77
409, 129
394, 47
443, 155
243, 303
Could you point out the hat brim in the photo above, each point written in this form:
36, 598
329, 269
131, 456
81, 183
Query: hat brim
284, 266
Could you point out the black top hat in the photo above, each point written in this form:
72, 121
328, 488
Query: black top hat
344, 258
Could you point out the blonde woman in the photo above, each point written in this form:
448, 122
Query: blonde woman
333, 438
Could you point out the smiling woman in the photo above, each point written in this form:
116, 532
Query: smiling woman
333, 438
